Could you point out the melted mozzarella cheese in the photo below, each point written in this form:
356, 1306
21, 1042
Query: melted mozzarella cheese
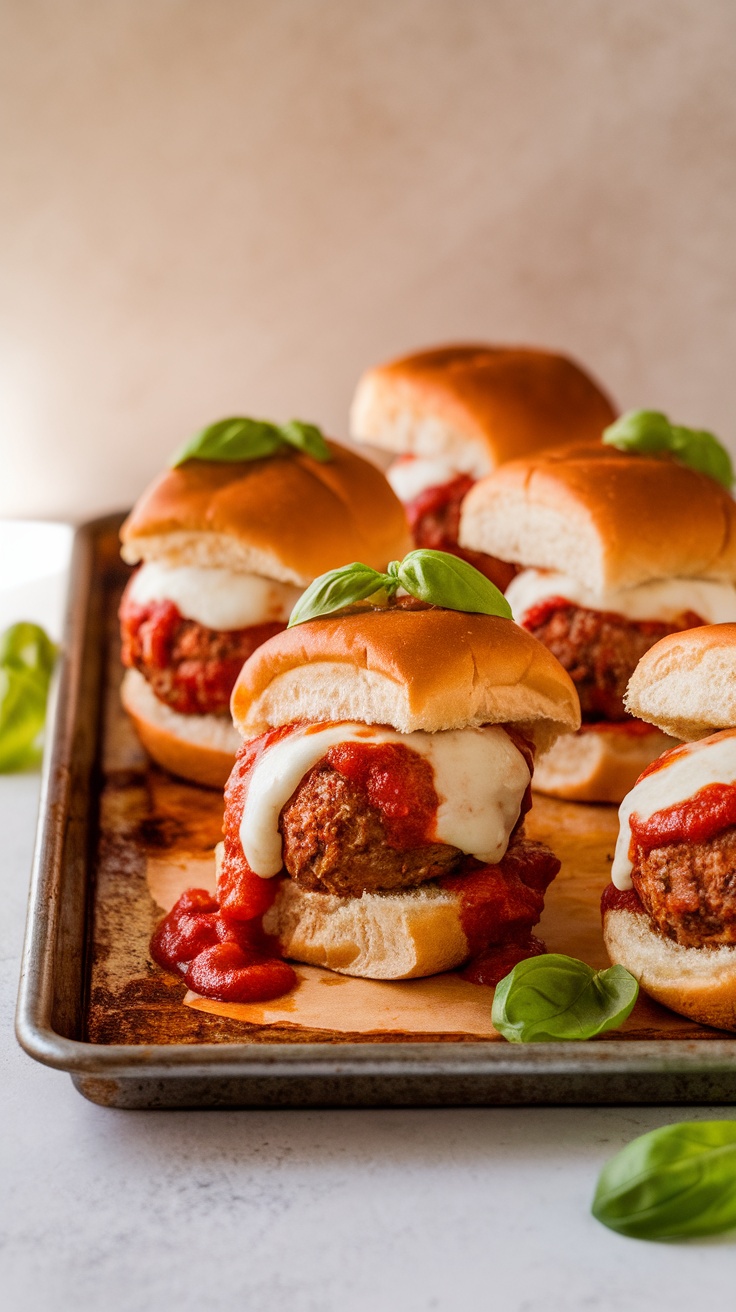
660, 599
710, 761
220, 599
410, 475
479, 775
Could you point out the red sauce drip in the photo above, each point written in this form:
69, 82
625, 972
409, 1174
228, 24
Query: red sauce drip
243, 894
500, 903
621, 899
434, 520
707, 813
395, 781
492, 966
218, 957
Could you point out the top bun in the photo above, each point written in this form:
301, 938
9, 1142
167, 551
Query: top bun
686, 682
288, 517
604, 517
477, 406
411, 669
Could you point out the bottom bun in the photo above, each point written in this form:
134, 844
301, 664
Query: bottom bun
598, 763
200, 748
377, 936
696, 982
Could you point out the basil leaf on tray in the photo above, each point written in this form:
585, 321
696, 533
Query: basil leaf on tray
27, 658
435, 577
553, 998
237, 439
650, 432
678, 1182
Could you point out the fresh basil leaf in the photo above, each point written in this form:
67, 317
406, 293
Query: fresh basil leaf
22, 714
307, 438
27, 658
552, 997
650, 431
239, 439
339, 588
702, 451
27, 646
445, 580
674, 1183
231, 440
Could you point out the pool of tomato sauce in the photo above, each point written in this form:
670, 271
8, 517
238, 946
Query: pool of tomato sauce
219, 948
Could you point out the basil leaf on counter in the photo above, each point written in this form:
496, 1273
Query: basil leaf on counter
650, 431
27, 657
445, 580
340, 588
239, 439
552, 998
27, 646
674, 1183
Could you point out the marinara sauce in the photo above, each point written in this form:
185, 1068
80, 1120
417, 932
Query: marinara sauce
218, 945
434, 520
708, 812
396, 782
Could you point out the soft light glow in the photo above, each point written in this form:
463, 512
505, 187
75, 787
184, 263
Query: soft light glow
34, 560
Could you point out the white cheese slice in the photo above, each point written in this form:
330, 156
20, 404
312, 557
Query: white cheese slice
479, 775
690, 768
221, 599
660, 599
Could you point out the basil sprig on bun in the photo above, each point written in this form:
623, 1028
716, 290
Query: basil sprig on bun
239, 439
649, 432
435, 577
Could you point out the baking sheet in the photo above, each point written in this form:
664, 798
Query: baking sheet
91, 1002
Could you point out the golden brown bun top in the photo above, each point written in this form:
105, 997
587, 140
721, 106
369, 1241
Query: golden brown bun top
412, 669
605, 517
686, 682
289, 517
506, 401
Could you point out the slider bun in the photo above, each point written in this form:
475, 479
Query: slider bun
289, 517
412, 669
377, 936
597, 764
200, 748
686, 682
696, 982
607, 518
477, 406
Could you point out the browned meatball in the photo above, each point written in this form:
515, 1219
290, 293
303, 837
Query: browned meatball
689, 890
335, 842
600, 652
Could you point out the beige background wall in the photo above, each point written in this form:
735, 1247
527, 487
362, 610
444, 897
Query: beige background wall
217, 206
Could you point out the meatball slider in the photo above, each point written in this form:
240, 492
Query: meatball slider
619, 548
669, 914
453, 414
229, 536
375, 810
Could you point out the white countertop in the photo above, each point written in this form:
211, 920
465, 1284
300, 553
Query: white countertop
309, 1211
